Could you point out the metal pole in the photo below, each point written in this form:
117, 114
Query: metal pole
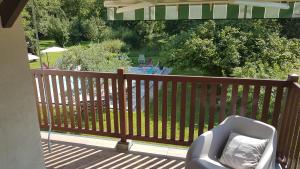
42, 69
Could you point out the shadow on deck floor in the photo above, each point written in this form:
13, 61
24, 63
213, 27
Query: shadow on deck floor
79, 156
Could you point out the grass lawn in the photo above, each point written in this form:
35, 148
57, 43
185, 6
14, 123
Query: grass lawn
52, 60
46, 44
52, 57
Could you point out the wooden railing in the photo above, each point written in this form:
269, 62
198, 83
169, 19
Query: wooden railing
165, 109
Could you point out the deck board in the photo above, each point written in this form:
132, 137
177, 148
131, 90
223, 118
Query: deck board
67, 155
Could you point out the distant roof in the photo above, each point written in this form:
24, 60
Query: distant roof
200, 9
54, 49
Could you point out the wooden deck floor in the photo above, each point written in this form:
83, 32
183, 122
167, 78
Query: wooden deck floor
79, 156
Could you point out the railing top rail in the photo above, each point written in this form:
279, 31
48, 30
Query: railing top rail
75, 73
183, 78
296, 86
210, 80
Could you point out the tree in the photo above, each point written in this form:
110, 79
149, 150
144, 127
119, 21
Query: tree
94, 29
58, 29
247, 49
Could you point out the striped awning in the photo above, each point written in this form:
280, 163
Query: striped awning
205, 11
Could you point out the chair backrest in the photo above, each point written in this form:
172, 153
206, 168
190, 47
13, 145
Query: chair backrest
250, 127
255, 129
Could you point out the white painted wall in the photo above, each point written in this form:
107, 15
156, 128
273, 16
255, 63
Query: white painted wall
20, 146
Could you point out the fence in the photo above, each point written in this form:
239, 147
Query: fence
165, 109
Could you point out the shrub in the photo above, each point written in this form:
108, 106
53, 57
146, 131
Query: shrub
102, 57
71, 58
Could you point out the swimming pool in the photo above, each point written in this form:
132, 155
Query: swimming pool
145, 70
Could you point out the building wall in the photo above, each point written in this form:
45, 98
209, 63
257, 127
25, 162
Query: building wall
20, 146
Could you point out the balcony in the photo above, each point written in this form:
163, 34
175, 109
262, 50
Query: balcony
163, 108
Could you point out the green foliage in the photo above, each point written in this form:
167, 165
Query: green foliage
248, 49
29, 32
92, 29
75, 31
102, 57
58, 29
151, 32
84, 17
129, 36
279, 58
291, 27
43, 9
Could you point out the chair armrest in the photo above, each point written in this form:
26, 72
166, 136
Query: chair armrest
194, 164
200, 146
267, 161
208, 144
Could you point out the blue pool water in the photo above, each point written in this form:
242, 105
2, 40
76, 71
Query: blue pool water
145, 70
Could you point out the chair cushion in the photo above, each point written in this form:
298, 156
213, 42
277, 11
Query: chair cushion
242, 152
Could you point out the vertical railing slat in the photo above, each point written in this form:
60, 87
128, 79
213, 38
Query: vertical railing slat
70, 101
212, 109
277, 107
147, 117
234, 98
244, 100
85, 105
266, 104
56, 100
36, 98
63, 100
155, 109
130, 114
99, 104
107, 105
192, 112
255, 100
182, 111
92, 102
223, 102
41, 89
173, 111
49, 98
115, 105
203, 96
77, 100
164, 109
138, 107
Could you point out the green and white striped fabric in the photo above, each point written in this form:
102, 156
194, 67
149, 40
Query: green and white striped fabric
205, 11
